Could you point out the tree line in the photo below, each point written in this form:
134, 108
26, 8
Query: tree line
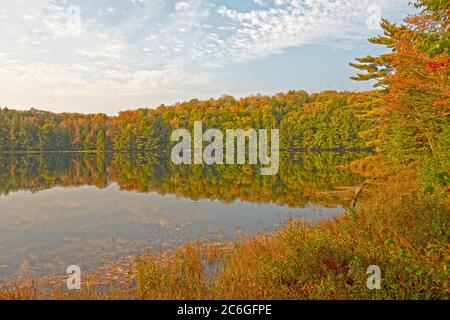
328, 120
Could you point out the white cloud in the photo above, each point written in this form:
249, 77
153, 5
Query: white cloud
126, 52
109, 49
46, 85
293, 23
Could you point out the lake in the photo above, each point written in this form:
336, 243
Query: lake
60, 209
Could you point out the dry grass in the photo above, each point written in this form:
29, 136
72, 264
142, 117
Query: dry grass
395, 227
25, 291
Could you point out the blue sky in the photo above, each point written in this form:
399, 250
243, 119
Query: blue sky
110, 55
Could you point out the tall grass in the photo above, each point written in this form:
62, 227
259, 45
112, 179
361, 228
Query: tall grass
395, 227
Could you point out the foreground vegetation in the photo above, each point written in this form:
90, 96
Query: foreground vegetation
395, 226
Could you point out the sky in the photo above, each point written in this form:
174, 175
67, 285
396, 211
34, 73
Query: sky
105, 56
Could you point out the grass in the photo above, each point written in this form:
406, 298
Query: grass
395, 226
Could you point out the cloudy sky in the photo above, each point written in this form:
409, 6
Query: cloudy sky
110, 55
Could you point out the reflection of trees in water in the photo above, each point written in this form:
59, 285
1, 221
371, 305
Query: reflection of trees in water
304, 178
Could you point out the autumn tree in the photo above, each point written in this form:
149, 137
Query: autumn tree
415, 73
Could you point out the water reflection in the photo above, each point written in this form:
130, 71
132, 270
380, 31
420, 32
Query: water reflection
87, 209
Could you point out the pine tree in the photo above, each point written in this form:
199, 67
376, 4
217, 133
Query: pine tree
378, 68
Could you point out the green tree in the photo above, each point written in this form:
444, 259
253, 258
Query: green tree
378, 68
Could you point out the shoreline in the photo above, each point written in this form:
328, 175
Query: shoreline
297, 150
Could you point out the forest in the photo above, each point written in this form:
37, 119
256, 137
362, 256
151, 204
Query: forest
329, 120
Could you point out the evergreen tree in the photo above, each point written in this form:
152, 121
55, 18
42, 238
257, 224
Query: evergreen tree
378, 68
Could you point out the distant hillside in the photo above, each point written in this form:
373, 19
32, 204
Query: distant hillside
325, 120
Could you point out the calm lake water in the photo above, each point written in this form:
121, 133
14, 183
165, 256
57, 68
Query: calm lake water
86, 209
